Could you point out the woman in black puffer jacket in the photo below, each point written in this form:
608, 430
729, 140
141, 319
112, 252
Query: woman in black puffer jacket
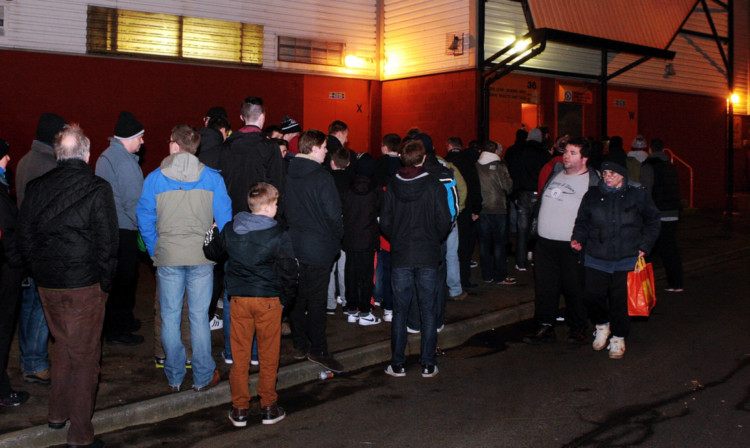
617, 222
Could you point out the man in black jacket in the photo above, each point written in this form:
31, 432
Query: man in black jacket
11, 273
315, 225
415, 217
465, 219
249, 157
68, 234
524, 167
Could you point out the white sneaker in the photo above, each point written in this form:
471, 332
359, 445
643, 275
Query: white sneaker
616, 347
352, 318
411, 330
600, 336
216, 323
440, 328
388, 315
368, 319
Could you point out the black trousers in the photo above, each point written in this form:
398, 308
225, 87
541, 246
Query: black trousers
10, 297
308, 314
558, 270
118, 318
358, 279
607, 300
666, 247
466, 239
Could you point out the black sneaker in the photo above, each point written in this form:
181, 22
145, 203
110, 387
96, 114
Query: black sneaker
300, 353
272, 414
396, 370
326, 361
159, 362
128, 339
429, 371
545, 334
16, 398
238, 417
331, 311
577, 336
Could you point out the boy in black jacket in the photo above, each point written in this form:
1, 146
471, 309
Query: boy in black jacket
261, 279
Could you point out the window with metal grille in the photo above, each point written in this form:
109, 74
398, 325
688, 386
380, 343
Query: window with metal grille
118, 31
310, 51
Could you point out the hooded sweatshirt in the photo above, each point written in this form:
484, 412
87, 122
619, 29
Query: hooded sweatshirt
180, 201
261, 258
495, 182
415, 218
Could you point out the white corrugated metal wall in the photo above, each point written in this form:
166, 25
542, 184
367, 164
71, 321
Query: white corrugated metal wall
414, 39
60, 25
698, 65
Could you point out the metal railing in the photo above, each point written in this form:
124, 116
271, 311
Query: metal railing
673, 157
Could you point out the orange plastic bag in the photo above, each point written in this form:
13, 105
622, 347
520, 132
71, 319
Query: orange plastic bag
641, 294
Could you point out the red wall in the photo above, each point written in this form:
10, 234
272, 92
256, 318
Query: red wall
441, 105
694, 128
92, 90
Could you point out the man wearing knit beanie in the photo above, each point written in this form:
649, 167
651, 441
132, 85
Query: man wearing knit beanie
118, 165
291, 130
32, 325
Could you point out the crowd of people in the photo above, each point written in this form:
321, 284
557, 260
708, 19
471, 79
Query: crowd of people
284, 225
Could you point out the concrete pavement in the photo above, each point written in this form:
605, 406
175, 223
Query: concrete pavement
132, 391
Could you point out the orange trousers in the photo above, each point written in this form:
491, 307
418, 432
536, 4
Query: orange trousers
251, 316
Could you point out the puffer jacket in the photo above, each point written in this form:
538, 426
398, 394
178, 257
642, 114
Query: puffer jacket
614, 225
313, 212
180, 201
68, 228
261, 258
415, 218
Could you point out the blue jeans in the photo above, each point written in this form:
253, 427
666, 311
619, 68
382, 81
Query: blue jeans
451, 260
493, 234
32, 331
422, 284
198, 282
383, 292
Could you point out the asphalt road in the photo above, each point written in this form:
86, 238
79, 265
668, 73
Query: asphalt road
684, 382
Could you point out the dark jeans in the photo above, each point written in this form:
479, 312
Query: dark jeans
421, 284
525, 202
308, 314
75, 318
413, 320
558, 270
10, 297
466, 237
666, 247
358, 273
607, 300
383, 290
119, 311
493, 234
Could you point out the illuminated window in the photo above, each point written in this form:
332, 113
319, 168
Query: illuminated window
117, 31
310, 51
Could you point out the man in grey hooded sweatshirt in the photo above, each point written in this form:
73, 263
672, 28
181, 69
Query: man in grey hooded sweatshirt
180, 202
